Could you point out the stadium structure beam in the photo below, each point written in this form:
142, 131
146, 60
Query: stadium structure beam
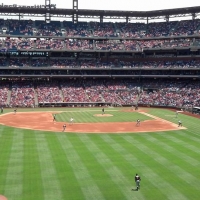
51, 11
127, 19
48, 11
193, 16
101, 18
75, 8
167, 18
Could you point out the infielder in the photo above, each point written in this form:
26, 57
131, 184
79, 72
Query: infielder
54, 117
64, 127
15, 110
103, 111
138, 122
176, 114
71, 121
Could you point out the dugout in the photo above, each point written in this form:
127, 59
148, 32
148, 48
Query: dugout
196, 110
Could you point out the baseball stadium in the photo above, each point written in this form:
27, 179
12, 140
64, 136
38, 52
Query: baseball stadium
93, 109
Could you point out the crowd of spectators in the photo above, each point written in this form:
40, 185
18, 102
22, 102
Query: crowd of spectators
77, 44
158, 29
52, 28
4, 88
131, 45
115, 92
73, 91
55, 44
129, 97
111, 96
14, 44
3, 62
186, 27
171, 93
48, 93
131, 30
96, 29
89, 63
62, 63
22, 95
93, 90
153, 92
175, 93
19, 27
105, 29
114, 45
80, 29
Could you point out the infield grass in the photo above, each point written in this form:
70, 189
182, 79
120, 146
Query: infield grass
68, 166
89, 116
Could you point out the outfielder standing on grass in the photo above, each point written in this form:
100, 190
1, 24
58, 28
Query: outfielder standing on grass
1, 109
137, 181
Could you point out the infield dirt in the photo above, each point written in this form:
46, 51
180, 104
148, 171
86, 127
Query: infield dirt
44, 121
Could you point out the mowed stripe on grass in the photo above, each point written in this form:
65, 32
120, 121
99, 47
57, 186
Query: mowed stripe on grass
83, 176
50, 182
113, 171
94, 166
14, 174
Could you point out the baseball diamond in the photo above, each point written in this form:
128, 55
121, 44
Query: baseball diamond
43, 121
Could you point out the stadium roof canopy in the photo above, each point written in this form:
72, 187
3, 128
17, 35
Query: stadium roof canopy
112, 14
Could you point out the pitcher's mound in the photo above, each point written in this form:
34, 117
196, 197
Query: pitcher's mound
104, 115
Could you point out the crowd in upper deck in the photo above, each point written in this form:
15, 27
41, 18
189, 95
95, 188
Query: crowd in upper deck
15, 44
116, 32
70, 63
97, 29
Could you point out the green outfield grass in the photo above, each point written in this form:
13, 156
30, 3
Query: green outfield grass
68, 166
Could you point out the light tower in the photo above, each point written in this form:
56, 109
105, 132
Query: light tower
75, 15
47, 13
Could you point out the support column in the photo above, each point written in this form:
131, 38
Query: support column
101, 19
75, 15
167, 18
127, 19
47, 13
193, 21
147, 29
193, 16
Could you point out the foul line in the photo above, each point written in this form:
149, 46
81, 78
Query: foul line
158, 118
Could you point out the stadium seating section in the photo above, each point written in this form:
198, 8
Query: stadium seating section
120, 92
28, 35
